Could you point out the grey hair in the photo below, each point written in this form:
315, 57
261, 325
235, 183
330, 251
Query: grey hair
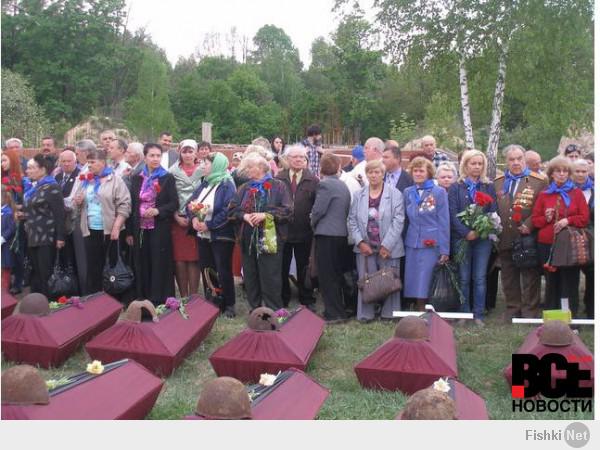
252, 159
87, 145
509, 148
376, 143
446, 166
581, 162
137, 148
296, 148
11, 140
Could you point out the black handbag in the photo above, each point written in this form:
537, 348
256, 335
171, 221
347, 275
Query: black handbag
63, 280
118, 278
524, 252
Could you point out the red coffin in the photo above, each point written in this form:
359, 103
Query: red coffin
49, 340
577, 351
408, 366
297, 398
127, 393
8, 304
469, 405
251, 352
162, 346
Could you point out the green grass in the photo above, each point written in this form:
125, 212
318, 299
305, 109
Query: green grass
482, 354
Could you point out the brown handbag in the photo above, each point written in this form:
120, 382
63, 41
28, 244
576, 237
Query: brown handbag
379, 285
573, 247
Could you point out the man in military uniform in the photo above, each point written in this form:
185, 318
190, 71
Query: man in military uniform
516, 192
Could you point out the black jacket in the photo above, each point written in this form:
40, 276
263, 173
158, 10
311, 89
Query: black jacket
299, 229
67, 186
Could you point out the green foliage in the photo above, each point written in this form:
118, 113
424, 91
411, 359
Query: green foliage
21, 116
402, 130
149, 110
441, 120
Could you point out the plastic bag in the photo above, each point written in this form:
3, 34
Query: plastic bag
444, 292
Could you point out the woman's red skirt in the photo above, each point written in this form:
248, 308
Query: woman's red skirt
185, 247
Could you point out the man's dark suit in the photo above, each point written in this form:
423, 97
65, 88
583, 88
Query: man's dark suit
66, 185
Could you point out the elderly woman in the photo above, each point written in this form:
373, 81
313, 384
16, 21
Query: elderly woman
154, 202
188, 175
44, 215
473, 257
104, 204
446, 175
427, 239
375, 225
583, 174
561, 205
262, 207
207, 209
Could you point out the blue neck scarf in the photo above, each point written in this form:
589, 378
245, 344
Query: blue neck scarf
472, 187
509, 177
426, 186
259, 184
157, 173
6, 210
587, 184
31, 189
563, 191
106, 172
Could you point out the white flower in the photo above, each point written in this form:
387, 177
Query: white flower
493, 238
266, 379
442, 385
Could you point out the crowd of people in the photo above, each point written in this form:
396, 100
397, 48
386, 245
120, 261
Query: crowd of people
175, 214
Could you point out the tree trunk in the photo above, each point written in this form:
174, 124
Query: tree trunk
464, 101
494, 139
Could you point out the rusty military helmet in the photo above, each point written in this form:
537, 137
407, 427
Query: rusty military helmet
134, 311
34, 304
429, 404
556, 333
224, 398
413, 328
23, 385
263, 319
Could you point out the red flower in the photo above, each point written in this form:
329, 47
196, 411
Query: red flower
5, 180
549, 267
63, 300
156, 186
18, 188
482, 199
82, 177
9, 188
253, 190
517, 217
90, 176
429, 242
517, 208
267, 185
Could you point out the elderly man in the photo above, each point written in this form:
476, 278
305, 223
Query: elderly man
395, 175
358, 155
169, 155
516, 191
373, 150
134, 155
106, 137
116, 152
533, 161
302, 186
428, 149
68, 172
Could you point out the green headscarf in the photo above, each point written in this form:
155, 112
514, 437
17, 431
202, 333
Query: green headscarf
218, 171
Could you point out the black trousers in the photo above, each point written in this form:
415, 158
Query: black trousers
564, 283
19, 258
218, 255
328, 250
262, 277
154, 273
96, 245
42, 261
301, 251
588, 297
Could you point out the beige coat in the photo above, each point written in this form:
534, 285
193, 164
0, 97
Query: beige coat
115, 200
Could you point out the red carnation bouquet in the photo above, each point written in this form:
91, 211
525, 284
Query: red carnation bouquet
486, 225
